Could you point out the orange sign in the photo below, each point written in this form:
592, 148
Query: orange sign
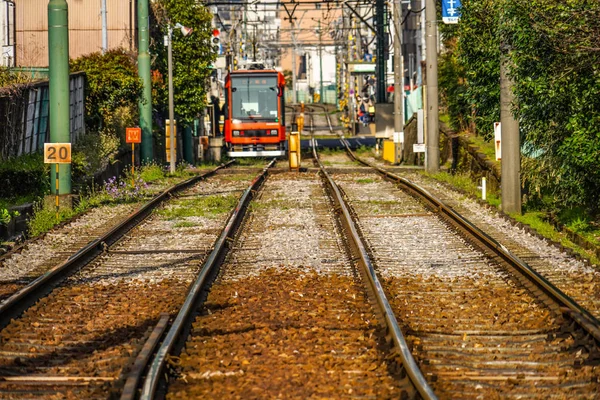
57, 153
133, 135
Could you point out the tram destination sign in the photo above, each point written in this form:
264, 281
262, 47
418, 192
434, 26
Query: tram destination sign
57, 153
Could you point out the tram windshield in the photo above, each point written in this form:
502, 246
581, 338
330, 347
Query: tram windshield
254, 97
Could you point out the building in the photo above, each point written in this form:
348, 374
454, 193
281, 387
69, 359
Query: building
85, 28
308, 45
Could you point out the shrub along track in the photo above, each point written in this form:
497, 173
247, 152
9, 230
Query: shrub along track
81, 339
288, 314
477, 328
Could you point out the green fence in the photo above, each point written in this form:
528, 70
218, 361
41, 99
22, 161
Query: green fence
25, 114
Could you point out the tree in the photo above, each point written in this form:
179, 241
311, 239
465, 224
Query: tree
192, 57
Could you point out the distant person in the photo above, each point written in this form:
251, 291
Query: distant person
217, 113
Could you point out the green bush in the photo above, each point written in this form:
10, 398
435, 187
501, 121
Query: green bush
25, 176
112, 85
552, 57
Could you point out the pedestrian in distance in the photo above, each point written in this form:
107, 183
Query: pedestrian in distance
217, 113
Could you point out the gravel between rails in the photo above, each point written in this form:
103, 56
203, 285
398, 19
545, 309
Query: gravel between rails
55, 247
287, 316
574, 277
93, 325
447, 295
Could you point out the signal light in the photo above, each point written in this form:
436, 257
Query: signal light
216, 41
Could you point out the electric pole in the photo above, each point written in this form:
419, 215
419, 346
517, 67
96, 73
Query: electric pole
294, 70
145, 103
58, 46
432, 154
320, 66
381, 46
510, 143
398, 70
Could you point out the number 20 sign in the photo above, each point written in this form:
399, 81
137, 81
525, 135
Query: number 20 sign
57, 153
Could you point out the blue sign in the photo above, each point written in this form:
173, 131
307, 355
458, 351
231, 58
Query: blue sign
450, 11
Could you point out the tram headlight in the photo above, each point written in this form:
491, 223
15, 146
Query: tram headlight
236, 133
273, 132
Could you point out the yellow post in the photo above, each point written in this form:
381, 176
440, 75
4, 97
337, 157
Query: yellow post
294, 151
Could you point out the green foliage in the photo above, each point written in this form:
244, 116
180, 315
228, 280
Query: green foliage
479, 54
556, 68
4, 216
191, 56
45, 219
453, 88
113, 89
9, 77
553, 56
24, 176
151, 172
208, 206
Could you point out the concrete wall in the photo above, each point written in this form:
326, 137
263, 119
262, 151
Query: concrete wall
85, 28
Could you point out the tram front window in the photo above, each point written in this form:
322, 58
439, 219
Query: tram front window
254, 97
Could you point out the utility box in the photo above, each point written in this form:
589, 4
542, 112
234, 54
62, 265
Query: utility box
384, 120
215, 144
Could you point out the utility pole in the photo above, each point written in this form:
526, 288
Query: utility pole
295, 92
104, 28
381, 45
58, 46
432, 155
145, 103
320, 65
172, 127
510, 143
398, 70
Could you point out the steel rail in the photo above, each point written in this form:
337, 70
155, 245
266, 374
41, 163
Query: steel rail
186, 313
569, 306
326, 116
14, 305
408, 362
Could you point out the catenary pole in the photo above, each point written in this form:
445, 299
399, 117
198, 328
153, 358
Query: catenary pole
58, 48
510, 144
172, 133
320, 65
398, 69
145, 103
381, 45
432, 155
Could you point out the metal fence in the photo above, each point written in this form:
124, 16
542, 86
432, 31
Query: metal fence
24, 117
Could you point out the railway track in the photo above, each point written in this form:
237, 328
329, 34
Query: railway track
36, 256
295, 311
81, 339
479, 325
317, 118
